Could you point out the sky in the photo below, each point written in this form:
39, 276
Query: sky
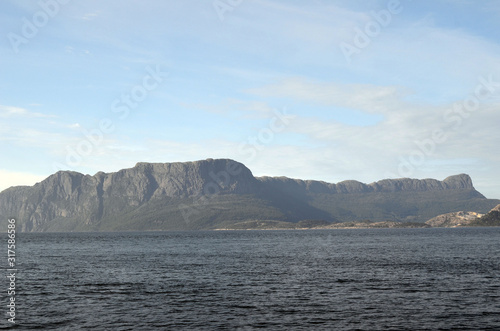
323, 90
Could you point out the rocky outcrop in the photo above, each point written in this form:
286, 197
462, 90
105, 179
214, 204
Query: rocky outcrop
460, 219
492, 218
165, 196
452, 220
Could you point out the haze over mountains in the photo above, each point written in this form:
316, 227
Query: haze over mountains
211, 194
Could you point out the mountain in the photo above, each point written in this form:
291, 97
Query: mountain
211, 194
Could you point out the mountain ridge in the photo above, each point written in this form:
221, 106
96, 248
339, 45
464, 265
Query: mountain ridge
460, 181
207, 193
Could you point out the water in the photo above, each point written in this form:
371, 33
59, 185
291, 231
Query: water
375, 279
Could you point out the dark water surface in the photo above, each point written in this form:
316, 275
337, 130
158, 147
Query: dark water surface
376, 279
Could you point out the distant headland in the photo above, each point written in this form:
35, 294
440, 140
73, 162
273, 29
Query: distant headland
223, 194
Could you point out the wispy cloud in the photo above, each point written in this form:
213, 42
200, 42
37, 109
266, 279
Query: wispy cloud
365, 97
10, 111
237, 108
91, 16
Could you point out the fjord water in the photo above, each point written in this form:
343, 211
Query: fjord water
375, 279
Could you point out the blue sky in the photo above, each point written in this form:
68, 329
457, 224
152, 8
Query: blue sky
102, 85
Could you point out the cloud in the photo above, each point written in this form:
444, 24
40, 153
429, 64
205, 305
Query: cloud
236, 108
365, 97
91, 16
10, 111
372, 152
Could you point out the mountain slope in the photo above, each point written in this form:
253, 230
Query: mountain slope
213, 193
492, 218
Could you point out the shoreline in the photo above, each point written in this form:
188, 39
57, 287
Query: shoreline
353, 228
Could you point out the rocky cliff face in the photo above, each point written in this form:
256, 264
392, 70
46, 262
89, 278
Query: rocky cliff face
89, 198
301, 187
220, 191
